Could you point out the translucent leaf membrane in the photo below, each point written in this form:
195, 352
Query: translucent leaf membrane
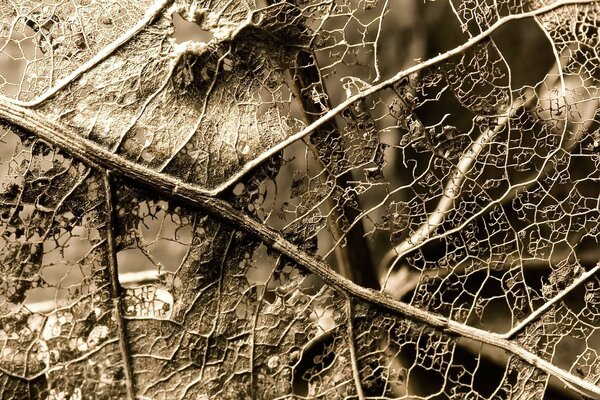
199, 109
467, 188
233, 319
43, 42
56, 312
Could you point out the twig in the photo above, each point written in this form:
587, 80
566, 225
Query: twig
354, 259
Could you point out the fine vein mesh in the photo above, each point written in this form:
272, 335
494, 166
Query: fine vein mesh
466, 189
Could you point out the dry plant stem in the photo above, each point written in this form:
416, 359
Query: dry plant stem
116, 286
413, 277
126, 280
453, 187
99, 158
565, 142
353, 261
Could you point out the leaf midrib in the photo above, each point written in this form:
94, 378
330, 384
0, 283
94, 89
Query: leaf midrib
97, 157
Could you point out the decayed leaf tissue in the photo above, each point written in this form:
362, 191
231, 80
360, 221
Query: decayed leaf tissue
299, 199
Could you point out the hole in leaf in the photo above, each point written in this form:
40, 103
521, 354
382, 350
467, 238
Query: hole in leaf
486, 371
189, 31
317, 356
42, 299
227, 64
16, 52
517, 41
238, 190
